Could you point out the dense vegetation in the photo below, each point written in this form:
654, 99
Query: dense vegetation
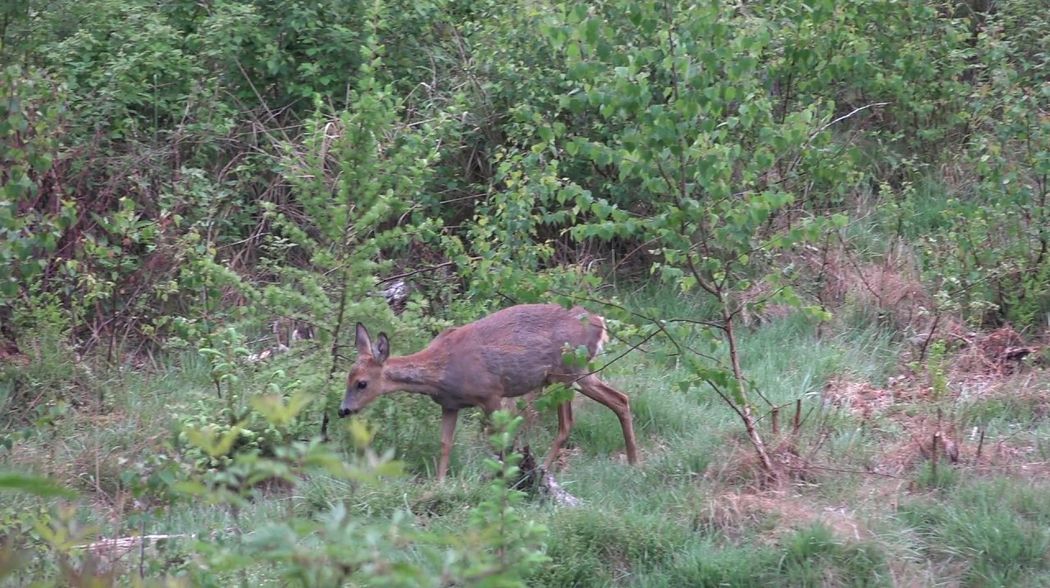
819, 231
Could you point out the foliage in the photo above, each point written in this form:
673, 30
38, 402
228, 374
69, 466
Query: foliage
184, 175
250, 415
33, 216
513, 544
499, 546
629, 123
987, 252
663, 92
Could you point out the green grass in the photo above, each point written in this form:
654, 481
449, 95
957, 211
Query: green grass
997, 532
677, 519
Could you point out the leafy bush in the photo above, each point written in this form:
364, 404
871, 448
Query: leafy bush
252, 414
33, 214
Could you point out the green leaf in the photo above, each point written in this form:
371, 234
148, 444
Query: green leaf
276, 411
35, 485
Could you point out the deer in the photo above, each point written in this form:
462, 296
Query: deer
507, 354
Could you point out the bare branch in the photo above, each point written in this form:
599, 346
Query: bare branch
844, 117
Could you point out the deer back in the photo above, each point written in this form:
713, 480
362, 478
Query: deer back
515, 351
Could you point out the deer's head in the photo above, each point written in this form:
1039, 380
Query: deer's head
365, 380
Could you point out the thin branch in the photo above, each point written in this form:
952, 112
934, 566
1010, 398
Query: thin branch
414, 272
809, 464
703, 323
632, 252
619, 357
860, 273
844, 117
929, 336
732, 404
655, 322
711, 289
630, 349
825, 127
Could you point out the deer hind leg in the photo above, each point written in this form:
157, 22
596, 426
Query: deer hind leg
593, 387
564, 428
448, 434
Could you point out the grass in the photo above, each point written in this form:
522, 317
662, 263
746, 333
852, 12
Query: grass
691, 514
997, 533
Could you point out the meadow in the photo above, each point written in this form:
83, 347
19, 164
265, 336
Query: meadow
866, 500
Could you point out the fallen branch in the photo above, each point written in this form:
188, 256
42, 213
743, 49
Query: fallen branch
118, 547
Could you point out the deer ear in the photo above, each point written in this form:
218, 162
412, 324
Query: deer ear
363, 342
382, 348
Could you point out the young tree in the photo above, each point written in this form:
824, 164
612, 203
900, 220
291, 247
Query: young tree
681, 115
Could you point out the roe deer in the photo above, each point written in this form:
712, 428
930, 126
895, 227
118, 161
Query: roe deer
509, 353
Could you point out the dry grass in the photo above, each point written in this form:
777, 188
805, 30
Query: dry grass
997, 353
861, 399
772, 514
889, 288
931, 419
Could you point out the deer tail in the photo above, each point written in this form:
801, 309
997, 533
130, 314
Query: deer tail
603, 334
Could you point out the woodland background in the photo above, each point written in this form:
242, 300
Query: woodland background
819, 231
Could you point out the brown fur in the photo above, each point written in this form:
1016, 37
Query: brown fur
507, 354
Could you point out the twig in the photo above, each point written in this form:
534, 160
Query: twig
980, 446
929, 336
809, 464
632, 252
658, 323
142, 549
844, 117
933, 456
797, 424
798, 159
702, 323
629, 349
860, 273
417, 271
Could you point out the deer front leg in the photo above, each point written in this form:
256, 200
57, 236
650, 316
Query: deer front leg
448, 433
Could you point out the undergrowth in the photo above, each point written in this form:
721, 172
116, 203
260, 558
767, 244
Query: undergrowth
691, 513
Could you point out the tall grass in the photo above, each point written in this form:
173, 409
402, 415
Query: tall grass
685, 516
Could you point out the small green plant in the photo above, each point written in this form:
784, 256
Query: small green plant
42, 544
935, 369
498, 547
511, 544
226, 354
939, 475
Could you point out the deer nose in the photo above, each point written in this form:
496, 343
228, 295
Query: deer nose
343, 412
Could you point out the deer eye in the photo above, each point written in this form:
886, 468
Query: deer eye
362, 384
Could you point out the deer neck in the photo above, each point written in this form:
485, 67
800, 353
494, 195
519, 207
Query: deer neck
411, 373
